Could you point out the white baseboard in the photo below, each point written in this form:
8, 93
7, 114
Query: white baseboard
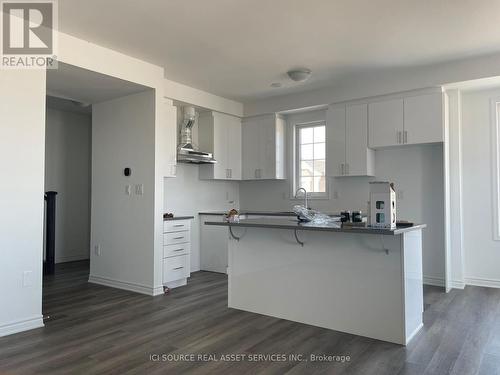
457, 284
21, 326
177, 283
412, 335
478, 281
72, 258
133, 287
436, 281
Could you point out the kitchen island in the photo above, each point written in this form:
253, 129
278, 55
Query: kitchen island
362, 281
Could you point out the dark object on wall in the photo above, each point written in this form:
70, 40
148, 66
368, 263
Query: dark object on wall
127, 172
50, 233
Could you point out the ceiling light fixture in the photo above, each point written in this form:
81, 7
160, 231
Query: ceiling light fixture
299, 75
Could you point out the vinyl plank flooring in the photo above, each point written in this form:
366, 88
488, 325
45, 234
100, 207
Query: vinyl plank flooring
92, 329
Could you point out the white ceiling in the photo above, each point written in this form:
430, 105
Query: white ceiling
237, 48
85, 86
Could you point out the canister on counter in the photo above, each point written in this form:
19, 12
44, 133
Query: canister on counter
345, 216
357, 217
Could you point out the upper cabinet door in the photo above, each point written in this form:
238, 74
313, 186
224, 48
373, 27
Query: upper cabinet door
263, 140
336, 140
385, 123
268, 147
359, 159
168, 138
220, 141
423, 119
250, 135
234, 148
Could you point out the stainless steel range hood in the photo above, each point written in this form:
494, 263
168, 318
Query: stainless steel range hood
186, 151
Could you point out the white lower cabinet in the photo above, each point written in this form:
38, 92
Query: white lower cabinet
213, 245
176, 252
175, 268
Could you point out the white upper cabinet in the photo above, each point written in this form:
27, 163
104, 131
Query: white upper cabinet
359, 158
423, 119
220, 134
167, 138
385, 123
336, 140
347, 141
412, 119
263, 148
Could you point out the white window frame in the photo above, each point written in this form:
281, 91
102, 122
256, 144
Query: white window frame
296, 162
495, 165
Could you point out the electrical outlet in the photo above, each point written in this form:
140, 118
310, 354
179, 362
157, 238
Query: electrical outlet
139, 189
97, 250
128, 189
27, 278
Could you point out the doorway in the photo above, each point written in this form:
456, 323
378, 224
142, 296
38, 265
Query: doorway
71, 94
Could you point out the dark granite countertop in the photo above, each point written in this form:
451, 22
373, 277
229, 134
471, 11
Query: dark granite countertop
258, 213
178, 218
295, 225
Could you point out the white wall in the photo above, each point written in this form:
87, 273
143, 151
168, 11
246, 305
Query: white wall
123, 135
22, 145
382, 81
67, 171
481, 252
187, 195
417, 172
179, 92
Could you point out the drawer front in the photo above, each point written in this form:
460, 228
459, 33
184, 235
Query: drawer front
176, 238
175, 250
175, 268
176, 225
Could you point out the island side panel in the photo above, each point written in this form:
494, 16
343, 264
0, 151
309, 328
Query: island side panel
341, 281
413, 283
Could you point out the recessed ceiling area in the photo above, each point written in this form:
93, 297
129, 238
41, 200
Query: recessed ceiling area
238, 48
85, 86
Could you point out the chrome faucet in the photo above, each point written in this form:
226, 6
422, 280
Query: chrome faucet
305, 196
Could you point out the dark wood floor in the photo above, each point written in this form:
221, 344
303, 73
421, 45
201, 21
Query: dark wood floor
98, 330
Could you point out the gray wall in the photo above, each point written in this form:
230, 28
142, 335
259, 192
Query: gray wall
67, 171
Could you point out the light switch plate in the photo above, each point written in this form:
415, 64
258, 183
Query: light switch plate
27, 278
139, 189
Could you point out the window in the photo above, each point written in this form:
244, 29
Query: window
310, 158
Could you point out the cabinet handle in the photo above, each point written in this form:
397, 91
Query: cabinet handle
230, 173
178, 238
178, 250
178, 225
342, 169
405, 139
347, 169
178, 268
398, 137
